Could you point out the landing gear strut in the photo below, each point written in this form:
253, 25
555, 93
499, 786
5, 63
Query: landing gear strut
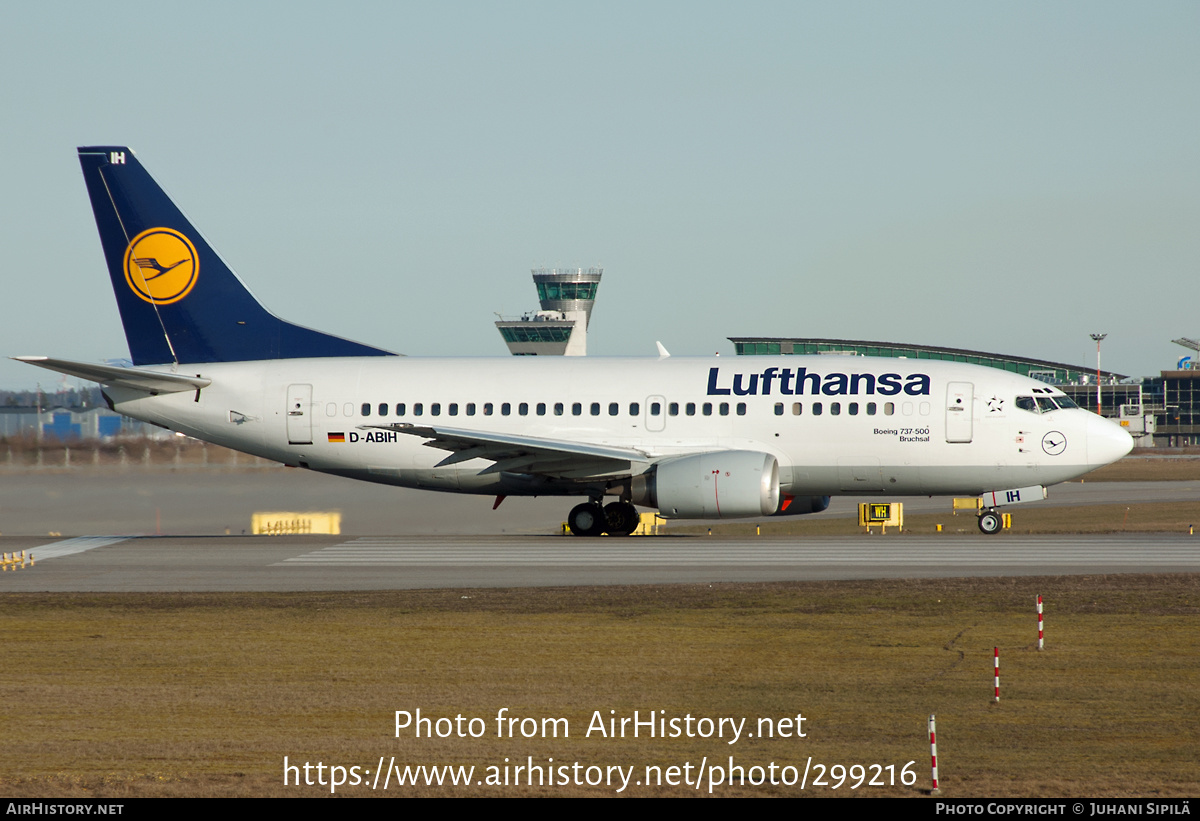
590, 519
990, 522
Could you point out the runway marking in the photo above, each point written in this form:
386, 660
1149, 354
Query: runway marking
69, 547
906, 550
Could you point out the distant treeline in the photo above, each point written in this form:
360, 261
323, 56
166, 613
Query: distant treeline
76, 399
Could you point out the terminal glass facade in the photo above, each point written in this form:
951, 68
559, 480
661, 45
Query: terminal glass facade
1055, 373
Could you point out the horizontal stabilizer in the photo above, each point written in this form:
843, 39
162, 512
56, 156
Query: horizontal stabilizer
137, 378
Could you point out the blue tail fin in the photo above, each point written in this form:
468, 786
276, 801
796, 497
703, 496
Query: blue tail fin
179, 302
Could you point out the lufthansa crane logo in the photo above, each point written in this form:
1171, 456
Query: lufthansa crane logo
161, 265
1054, 443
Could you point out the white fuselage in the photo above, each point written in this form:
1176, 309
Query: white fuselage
835, 424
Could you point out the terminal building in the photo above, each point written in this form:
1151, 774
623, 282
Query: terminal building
560, 328
1159, 411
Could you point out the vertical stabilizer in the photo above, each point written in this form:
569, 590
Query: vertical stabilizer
178, 299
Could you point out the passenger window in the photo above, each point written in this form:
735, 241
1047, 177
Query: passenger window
707, 409
558, 408
453, 409
741, 409
595, 409
634, 409
541, 408
400, 408
853, 408
435, 409
418, 409
816, 408
797, 408
673, 409
691, 408
613, 408
576, 409
383, 409
835, 408
505, 409
366, 408
470, 409
870, 409
655, 409
523, 408
724, 408
488, 408
779, 409
889, 408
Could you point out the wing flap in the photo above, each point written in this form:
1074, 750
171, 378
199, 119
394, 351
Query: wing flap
514, 453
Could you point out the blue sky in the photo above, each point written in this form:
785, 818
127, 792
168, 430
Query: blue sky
1006, 177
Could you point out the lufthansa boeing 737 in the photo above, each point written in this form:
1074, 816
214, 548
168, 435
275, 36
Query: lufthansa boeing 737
691, 437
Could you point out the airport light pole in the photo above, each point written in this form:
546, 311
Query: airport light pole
1099, 338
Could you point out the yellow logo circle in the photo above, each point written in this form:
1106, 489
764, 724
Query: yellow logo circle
161, 265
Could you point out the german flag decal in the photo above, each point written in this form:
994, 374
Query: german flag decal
337, 437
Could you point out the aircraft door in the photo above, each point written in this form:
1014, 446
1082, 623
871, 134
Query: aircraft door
960, 411
299, 414
656, 413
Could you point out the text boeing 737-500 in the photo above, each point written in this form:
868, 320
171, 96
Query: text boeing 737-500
693, 438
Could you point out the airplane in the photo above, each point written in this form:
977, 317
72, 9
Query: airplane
694, 438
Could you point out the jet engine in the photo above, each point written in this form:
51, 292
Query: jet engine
724, 484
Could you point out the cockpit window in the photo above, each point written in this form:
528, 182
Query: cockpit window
1027, 403
1065, 402
1046, 404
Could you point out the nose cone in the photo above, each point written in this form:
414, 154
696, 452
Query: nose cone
1106, 441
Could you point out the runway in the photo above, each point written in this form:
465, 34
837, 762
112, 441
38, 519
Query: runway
215, 501
309, 563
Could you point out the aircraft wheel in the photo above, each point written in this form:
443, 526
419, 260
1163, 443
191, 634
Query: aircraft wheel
622, 518
990, 522
587, 519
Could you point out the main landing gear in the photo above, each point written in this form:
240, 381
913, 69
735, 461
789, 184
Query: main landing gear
990, 522
590, 519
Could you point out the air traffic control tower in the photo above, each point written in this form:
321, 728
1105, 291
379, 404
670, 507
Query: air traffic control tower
560, 327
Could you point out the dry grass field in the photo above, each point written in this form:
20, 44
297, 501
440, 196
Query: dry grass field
204, 695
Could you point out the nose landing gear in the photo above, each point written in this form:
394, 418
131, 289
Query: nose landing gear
990, 522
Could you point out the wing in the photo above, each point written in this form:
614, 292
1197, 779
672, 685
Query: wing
511, 453
152, 382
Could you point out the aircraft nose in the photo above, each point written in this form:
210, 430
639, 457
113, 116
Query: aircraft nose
1106, 441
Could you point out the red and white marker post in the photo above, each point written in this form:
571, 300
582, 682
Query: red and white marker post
933, 751
1040, 636
996, 655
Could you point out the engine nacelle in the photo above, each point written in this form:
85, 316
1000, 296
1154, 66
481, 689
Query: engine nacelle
721, 485
799, 505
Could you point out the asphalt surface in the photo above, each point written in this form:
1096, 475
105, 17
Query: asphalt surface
217, 501
161, 530
239, 563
